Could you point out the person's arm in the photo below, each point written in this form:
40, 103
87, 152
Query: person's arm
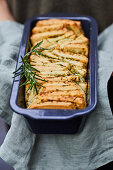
5, 12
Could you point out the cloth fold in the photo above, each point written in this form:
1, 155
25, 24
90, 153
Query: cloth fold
90, 149
10, 36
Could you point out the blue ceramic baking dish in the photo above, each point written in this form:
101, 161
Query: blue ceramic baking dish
55, 121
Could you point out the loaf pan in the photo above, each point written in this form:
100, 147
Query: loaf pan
55, 121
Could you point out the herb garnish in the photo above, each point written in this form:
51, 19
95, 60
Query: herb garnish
27, 69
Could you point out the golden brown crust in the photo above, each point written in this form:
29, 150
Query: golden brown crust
40, 36
53, 105
72, 56
63, 66
47, 28
76, 48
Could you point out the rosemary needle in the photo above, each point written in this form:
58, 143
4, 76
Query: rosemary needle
26, 69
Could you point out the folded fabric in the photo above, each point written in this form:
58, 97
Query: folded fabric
89, 149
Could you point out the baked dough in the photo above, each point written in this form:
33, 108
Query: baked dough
63, 65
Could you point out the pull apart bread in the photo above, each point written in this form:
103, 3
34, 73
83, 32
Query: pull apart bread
63, 65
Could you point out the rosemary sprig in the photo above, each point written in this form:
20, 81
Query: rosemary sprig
26, 69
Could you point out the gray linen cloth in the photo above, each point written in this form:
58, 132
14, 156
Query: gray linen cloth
90, 149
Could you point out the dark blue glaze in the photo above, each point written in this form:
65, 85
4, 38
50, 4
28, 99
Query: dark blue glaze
64, 121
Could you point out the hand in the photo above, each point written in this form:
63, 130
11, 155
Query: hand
4, 11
